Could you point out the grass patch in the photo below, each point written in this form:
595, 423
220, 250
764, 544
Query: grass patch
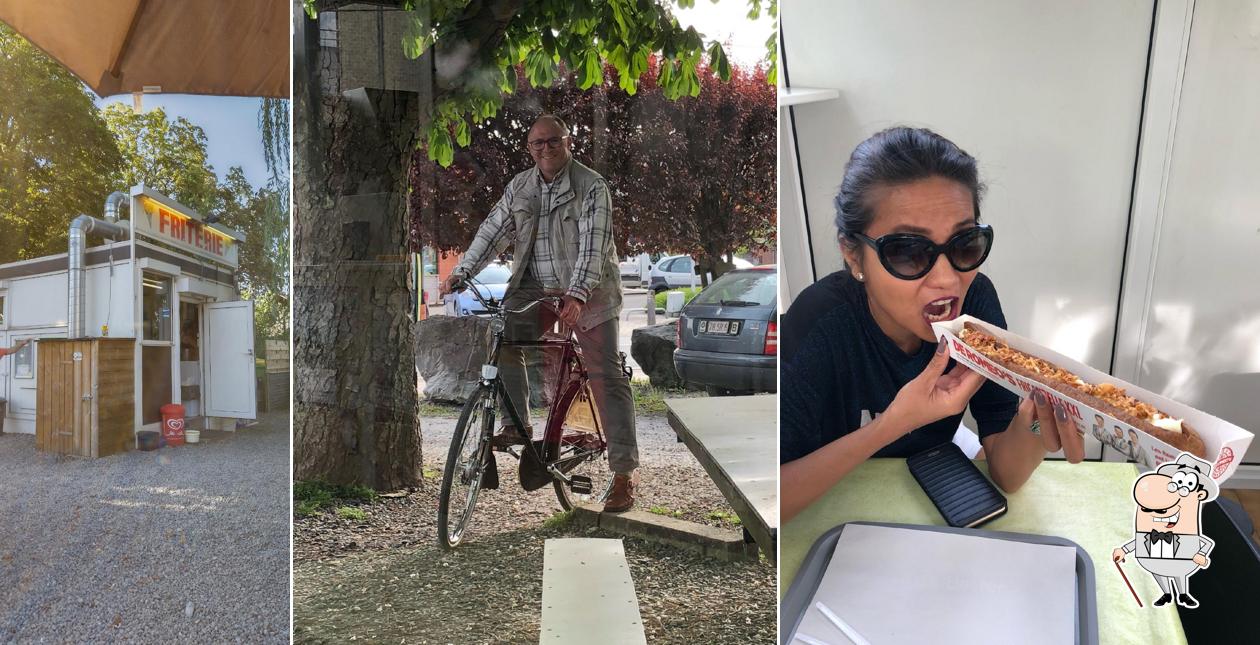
305, 509
688, 294
351, 513
311, 497
559, 520
724, 516
662, 510
431, 410
430, 473
649, 399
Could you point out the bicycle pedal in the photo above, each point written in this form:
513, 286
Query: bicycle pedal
580, 484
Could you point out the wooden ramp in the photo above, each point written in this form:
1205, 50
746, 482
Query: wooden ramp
588, 595
736, 439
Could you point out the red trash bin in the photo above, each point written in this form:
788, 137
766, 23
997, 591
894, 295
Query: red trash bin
173, 424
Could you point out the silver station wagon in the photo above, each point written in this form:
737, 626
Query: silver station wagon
728, 336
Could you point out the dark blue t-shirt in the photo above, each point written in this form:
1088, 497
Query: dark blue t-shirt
838, 370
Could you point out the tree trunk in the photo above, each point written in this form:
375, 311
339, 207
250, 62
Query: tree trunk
712, 214
355, 414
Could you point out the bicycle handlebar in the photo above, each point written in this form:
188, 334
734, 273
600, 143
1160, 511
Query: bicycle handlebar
473, 283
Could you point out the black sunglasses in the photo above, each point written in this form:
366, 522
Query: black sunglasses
910, 257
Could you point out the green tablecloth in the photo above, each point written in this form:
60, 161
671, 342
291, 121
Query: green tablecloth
1088, 503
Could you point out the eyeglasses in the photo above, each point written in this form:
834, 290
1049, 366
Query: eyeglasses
910, 257
553, 143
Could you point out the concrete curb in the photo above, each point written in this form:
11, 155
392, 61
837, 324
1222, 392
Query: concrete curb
706, 540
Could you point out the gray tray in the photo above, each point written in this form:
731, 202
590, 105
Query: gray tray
809, 576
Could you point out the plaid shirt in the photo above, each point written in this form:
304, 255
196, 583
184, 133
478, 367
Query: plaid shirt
594, 235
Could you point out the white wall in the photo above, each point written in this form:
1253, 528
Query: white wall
38, 301
39, 308
1190, 323
42, 301
795, 270
1047, 96
108, 301
21, 391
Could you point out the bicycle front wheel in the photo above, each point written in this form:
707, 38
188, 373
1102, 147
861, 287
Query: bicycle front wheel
465, 467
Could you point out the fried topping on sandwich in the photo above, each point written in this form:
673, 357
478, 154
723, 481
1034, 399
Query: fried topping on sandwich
996, 349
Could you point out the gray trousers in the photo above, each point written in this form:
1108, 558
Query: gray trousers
1169, 572
610, 387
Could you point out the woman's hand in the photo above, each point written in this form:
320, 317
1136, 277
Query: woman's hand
1013, 455
1056, 429
933, 394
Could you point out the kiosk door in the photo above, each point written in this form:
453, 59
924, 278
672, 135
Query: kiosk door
229, 360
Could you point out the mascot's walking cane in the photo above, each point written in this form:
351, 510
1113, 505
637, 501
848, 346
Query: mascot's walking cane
1126, 582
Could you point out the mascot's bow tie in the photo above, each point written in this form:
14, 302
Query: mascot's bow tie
1166, 536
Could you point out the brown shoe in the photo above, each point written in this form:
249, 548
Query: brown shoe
507, 437
622, 496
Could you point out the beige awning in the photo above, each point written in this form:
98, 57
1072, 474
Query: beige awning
220, 47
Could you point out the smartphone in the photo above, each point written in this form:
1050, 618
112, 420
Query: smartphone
962, 494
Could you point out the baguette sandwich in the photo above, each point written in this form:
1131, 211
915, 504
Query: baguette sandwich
1104, 397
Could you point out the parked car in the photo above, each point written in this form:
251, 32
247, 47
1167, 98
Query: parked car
728, 335
677, 271
629, 266
491, 281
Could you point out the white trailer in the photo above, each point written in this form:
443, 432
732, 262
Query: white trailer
168, 282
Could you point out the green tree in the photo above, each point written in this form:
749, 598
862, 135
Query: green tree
694, 175
167, 156
479, 48
57, 158
263, 276
271, 297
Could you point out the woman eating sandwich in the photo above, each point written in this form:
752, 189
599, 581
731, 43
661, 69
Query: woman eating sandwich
861, 372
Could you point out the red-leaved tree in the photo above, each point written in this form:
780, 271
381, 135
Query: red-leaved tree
695, 175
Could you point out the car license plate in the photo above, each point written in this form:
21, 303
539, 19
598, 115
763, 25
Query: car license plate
719, 327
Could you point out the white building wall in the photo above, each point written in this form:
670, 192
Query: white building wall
108, 300
39, 308
42, 301
38, 301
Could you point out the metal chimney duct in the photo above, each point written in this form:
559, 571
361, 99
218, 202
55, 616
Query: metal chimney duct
112, 203
79, 230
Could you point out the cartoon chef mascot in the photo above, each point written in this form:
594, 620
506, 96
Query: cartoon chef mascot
1167, 539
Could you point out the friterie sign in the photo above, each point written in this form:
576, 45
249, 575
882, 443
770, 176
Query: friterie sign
168, 224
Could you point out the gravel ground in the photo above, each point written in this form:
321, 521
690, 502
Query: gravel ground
186, 544
386, 580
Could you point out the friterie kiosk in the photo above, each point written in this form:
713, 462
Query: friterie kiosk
150, 317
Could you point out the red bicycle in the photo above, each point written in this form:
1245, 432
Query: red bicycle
570, 453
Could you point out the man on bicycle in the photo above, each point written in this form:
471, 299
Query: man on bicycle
558, 218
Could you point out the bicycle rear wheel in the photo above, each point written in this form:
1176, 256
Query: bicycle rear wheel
465, 467
579, 450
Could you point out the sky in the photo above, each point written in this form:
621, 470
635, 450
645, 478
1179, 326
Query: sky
230, 123
727, 20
